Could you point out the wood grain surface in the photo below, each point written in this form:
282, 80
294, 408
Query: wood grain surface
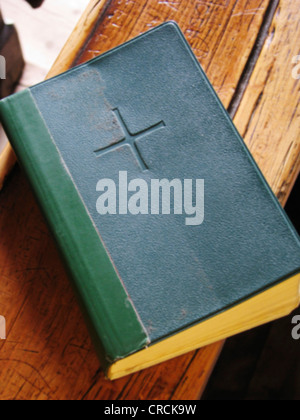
268, 116
48, 353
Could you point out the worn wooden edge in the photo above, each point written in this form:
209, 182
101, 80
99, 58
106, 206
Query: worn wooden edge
64, 61
7, 162
261, 103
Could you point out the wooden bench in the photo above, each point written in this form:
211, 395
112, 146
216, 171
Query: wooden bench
247, 49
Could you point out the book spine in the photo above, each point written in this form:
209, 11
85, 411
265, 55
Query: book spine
114, 324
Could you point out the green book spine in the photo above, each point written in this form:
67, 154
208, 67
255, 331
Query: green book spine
114, 323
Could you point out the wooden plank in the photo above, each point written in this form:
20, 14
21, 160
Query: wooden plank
268, 116
48, 353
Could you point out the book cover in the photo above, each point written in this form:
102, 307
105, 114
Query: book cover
171, 235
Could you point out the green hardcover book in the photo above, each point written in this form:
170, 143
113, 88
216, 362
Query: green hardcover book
171, 235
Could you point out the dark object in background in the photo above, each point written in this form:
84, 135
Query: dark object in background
35, 3
293, 206
12, 61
